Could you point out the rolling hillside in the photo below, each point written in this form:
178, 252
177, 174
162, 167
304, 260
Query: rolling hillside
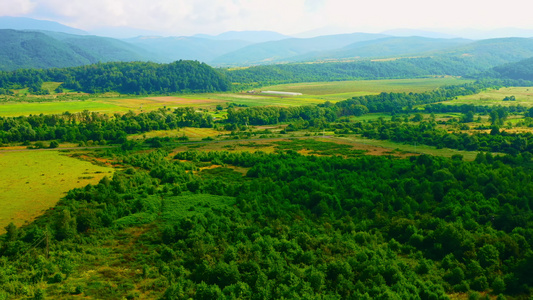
251, 36
283, 50
168, 49
31, 49
20, 23
518, 70
492, 52
385, 47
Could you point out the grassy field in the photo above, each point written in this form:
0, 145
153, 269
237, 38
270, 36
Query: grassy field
33, 181
313, 93
25, 109
417, 149
189, 132
341, 90
523, 95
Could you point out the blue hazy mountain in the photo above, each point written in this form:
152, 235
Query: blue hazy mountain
20, 23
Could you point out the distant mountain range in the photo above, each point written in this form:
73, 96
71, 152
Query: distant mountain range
20, 23
285, 50
168, 49
46, 44
249, 36
35, 49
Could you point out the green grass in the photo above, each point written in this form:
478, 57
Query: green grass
372, 116
179, 207
51, 86
257, 99
524, 97
341, 90
312, 146
421, 149
25, 109
33, 181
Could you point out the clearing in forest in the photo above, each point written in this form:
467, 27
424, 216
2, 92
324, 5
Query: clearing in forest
34, 181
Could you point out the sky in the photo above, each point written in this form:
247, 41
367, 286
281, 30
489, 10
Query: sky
188, 17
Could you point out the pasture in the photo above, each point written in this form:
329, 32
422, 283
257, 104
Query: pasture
34, 181
523, 95
342, 90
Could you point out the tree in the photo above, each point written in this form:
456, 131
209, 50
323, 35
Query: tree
65, 225
53, 144
12, 232
468, 117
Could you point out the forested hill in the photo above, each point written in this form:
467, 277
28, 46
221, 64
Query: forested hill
367, 69
32, 49
123, 77
519, 70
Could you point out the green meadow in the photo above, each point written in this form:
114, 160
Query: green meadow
342, 90
33, 181
11, 109
413, 148
313, 93
523, 96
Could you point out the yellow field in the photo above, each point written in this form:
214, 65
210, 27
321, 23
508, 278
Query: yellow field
34, 181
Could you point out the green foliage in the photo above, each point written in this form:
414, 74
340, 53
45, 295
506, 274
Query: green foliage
96, 127
123, 77
293, 227
363, 69
47, 49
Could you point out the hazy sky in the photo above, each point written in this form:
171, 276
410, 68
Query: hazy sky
185, 17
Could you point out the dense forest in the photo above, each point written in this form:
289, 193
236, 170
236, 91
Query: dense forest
364, 69
518, 70
96, 127
123, 77
294, 227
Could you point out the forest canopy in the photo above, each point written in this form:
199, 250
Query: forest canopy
124, 77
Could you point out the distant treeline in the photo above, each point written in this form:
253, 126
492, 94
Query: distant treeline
123, 77
337, 71
100, 128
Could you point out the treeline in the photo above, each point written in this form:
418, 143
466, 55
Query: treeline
427, 132
338, 71
97, 127
123, 77
397, 102
294, 227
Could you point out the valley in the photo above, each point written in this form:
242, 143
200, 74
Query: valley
400, 168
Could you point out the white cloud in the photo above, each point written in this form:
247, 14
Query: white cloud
286, 16
16, 8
